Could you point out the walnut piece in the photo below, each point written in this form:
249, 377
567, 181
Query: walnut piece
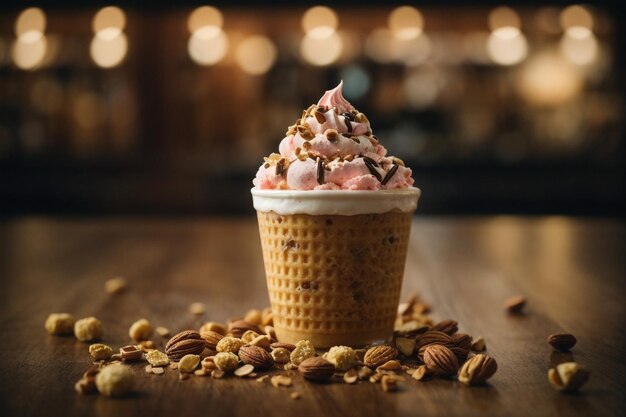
115, 381
140, 330
226, 361
304, 350
343, 357
281, 355
157, 358
100, 352
88, 329
60, 323
229, 344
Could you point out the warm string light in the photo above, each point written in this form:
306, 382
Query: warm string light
256, 54
578, 43
506, 44
208, 43
109, 45
30, 46
321, 44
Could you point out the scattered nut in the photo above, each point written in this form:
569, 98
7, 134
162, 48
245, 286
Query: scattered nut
229, 344
212, 326
60, 324
262, 341
211, 338
245, 370
140, 330
267, 317
477, 370
568, 376
441, 360
197, 309
88, 329
115, 285
421, 373
316, 369
158, 370
562, 341
256, 356
208, 363
294, 395
351, 376
157, 358
280, 355
378, 355
188, 363
287, 346
115, 381
516, 304
217, 373
100, 352
162, 331
391, 365
254, 317
187, 342
389, 383
479, 344
304, 350
249, 335
342, 357
448, 327
281, 381
226, 361
239, 327
405, 346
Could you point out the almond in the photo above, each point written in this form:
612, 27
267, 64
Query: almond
316, 369
516, 304
568, 376
462, 340
211, 338
256, 356
378, 355
432, 337
477, 370
287, 346
448, 327
187, 342
239, 327
441, 360
562, 341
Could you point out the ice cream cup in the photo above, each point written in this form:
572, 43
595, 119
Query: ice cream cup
334, 261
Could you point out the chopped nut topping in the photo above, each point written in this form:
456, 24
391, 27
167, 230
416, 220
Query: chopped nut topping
140, 330
88, 329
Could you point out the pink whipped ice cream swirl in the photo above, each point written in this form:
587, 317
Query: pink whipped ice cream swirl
332, 148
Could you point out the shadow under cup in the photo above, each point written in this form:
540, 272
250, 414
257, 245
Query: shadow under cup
335, 279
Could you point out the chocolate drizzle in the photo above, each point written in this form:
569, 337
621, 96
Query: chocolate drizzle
320, 171
371, 165
348, 124
390, 174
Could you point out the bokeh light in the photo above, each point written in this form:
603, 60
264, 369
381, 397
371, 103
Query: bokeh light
579, 45
378, 45
502, 17
321, 51
207, 50
256, 54
28, 51
548, 80
109, 52
576, 16
406, 22
507, 46
31, 19
319, 22
208, 18
109, 18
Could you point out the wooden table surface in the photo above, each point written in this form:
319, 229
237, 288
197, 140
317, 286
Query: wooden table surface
571, 270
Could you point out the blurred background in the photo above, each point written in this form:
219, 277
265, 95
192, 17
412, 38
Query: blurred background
159, 108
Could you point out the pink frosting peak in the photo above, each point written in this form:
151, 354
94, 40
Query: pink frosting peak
334, 98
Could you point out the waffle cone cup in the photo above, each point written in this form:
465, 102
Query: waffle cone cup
334, 279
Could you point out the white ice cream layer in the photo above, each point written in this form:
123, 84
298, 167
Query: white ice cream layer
334, 202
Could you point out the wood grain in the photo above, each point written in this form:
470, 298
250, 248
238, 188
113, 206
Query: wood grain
572, 272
